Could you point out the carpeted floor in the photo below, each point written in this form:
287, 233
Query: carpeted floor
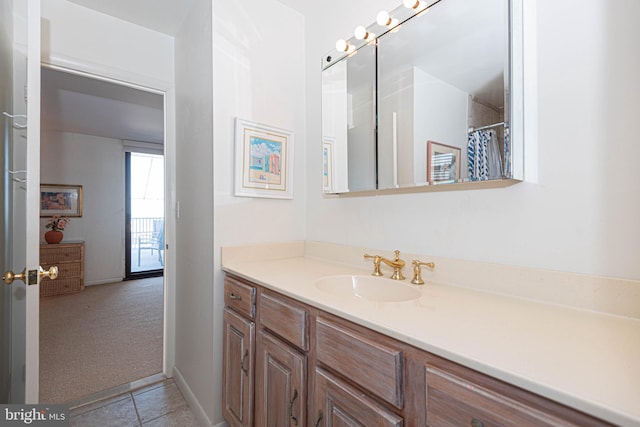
100, 338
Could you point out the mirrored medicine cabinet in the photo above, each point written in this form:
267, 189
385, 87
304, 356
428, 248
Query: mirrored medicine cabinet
428, 100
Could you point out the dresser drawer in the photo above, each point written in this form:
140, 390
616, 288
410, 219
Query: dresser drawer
240, 297
60, 286
456, 401
65, 270
60, 253
374, 366
286, 319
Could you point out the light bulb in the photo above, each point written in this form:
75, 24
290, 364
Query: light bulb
411, 4
342, 46
383, 18
360, 33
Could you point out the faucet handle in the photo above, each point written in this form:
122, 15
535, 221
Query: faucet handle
417, 276
376, 264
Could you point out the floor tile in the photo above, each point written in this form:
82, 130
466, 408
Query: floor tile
159, 401
117, 414
98, 404
182, 417
152, 386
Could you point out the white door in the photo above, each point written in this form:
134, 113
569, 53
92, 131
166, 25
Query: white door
20, 56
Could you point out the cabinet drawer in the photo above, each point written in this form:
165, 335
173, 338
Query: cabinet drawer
65, 270
286, 319
60, 286
454, 401
376, 367
240, 296
54, 254
338, 404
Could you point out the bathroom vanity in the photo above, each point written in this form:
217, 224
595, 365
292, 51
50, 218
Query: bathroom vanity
296, 354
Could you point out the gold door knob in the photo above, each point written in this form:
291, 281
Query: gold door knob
9, 276
51, 273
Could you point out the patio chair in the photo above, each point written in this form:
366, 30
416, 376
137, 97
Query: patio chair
153, 241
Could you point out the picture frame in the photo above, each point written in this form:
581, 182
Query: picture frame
327, 165
443, 163
62, 200
263, 160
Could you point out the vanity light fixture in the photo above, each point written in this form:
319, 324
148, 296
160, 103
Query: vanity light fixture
343, 46
416, 5
385, 20
361, 33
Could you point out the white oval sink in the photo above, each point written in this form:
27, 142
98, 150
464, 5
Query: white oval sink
368, 287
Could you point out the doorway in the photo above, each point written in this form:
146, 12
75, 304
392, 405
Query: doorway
144, 232
108, 125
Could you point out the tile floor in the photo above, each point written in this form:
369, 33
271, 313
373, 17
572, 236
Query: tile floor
157, 405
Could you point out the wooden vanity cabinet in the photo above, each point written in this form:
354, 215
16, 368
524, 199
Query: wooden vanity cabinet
281, 383
281, 369
458, 396
238, 353
339, 404
316, 369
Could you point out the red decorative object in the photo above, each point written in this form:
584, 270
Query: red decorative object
53, 237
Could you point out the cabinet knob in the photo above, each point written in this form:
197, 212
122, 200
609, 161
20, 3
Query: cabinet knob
476, 423
235, 297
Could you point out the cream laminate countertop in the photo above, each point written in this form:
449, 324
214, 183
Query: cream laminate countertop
584, 359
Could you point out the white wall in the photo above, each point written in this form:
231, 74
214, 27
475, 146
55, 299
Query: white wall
195, 355
259, 75
81, 38
582, 214
444, 121
84, 40
72, 159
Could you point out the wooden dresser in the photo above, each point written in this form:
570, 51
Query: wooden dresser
69, 257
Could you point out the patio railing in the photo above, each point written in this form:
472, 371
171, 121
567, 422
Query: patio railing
145, 227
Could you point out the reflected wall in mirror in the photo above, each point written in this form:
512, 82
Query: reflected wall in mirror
441, 75
349, 124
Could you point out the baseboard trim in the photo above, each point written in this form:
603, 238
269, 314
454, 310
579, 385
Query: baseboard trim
191, 399
103, 281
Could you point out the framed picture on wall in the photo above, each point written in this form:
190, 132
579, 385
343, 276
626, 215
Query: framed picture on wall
58, 199
443, 163
263, 161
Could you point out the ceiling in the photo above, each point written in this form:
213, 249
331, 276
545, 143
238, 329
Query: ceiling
78, 104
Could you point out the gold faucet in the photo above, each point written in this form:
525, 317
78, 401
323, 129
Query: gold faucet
376, 264
396, 264
417, 276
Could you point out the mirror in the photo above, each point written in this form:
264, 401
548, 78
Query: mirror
348, 105
425, 103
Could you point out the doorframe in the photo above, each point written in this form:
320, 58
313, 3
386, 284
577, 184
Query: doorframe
167, 90
128, 273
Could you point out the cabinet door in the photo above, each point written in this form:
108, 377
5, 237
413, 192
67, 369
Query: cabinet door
281, 383
238, 362
338, 404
